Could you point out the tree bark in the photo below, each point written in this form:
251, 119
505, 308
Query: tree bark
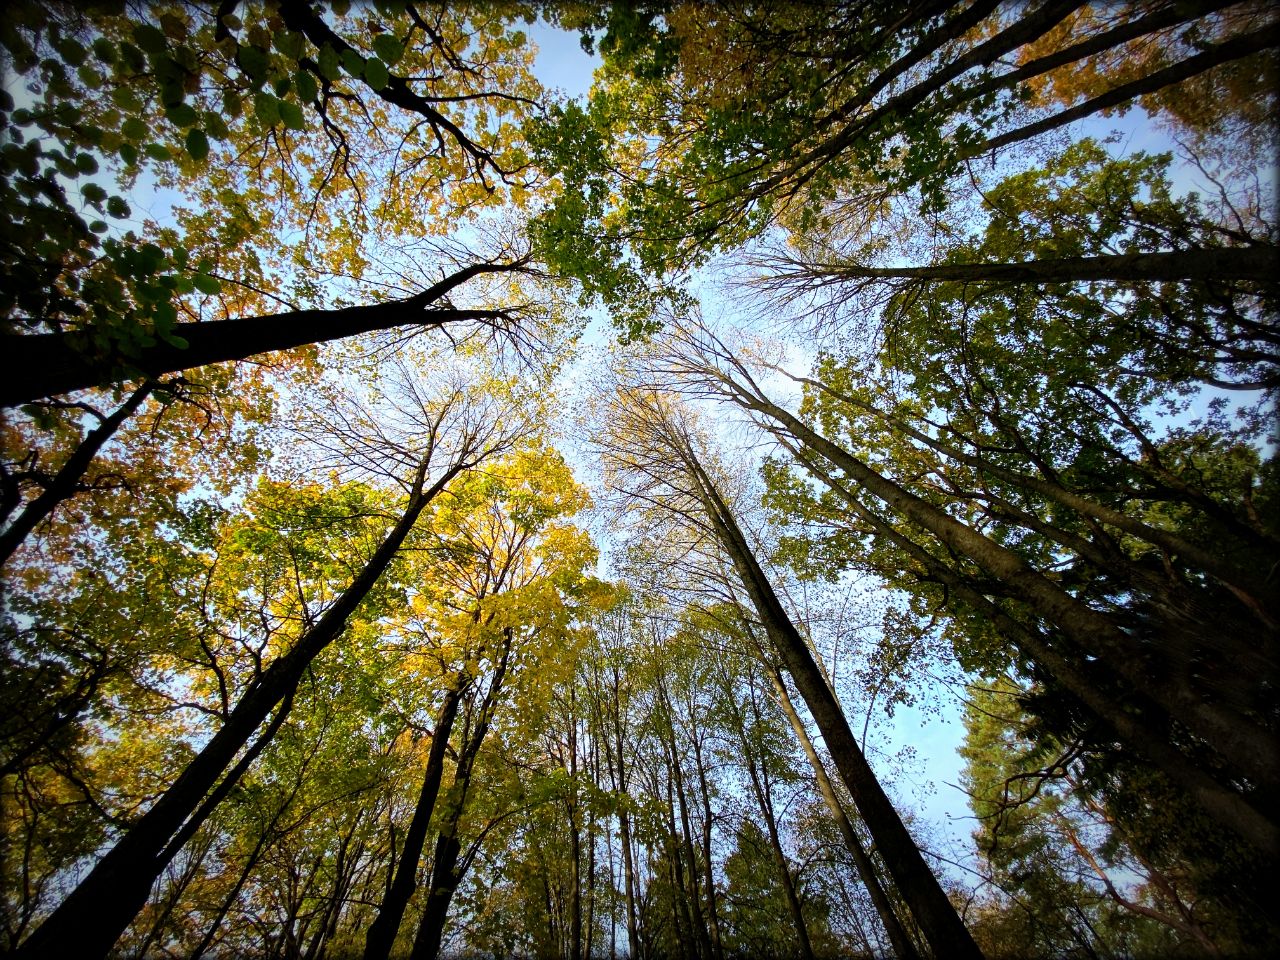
445, 876
902, 945
1216, 800
1258, 263
928, 903
381, 935
624, 822
46, 364
92, 917
1250, 750
1212, 56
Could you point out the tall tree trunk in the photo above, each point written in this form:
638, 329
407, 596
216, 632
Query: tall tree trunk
686, 830
1251, 751
381, 935
624, 821
929, 905
902, 945
575, 840
1259, 263
704, 793
96, 912
761, 791
1219, 802
685, 930
1211, 55
445, 875
45, 364
426, 944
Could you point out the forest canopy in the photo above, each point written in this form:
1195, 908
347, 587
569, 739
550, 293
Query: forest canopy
443, 516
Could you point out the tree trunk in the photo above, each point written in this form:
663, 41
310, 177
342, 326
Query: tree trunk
382, 932
1220, 803
92, 917
1252, 751
1212, 55
902, 945
713, 912
929, 905
760, 789
64, 482
1258, 263
686, 831
45, 364
624, 824
575, 841
445, 876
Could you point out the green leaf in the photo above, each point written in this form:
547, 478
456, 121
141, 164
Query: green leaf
292, 116
128, 153
388, 48
150, 38
182, 115
166, 315
90, 77
70, 51
93, 193
330, 68
214, 126
306, 86
375, 73
254, 62
158, 151
133, 58
86, 164
289, 43
197, 144
267, 109
206, 284
134, 128
127, 100
105, 50
352, 62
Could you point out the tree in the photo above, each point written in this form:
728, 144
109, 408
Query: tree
170, 99
680, 162
1059, 859
1239, 737
655, 444
304, 650
113, 892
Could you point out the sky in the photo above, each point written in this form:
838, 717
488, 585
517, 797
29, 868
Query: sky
926, 781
